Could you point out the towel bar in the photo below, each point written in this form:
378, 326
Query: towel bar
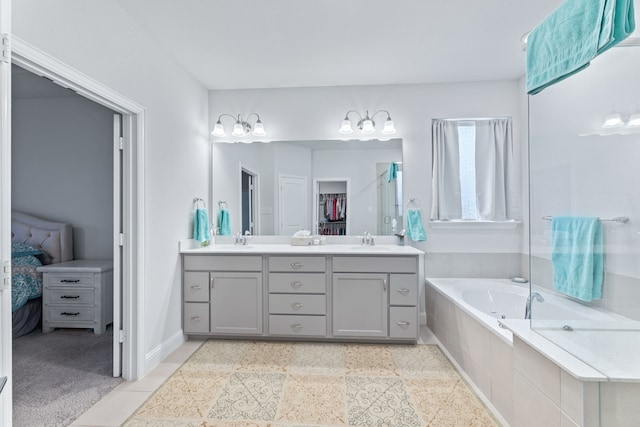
622, 219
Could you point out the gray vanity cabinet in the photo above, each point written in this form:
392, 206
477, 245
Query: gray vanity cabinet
359, 305
222, 295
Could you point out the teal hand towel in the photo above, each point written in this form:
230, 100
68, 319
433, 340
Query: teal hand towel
201, 226
414, 226
575, 33
576, 256
224, 223
392, 171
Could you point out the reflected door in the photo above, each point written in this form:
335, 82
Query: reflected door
294, 204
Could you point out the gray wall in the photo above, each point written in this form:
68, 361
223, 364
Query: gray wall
62, 164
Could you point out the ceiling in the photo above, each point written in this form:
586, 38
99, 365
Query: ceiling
242, 44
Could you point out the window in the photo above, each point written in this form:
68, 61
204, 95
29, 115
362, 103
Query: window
473, 170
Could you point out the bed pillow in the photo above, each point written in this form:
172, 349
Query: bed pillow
19, 249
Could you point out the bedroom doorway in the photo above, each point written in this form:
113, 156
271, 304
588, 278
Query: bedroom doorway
129, 242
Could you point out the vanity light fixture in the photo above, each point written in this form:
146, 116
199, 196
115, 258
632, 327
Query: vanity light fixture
366, 123
241, 126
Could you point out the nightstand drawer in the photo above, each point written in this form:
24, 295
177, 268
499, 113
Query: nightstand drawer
69, 279
69, 314
70, 296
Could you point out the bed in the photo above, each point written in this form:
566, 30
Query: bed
34, 242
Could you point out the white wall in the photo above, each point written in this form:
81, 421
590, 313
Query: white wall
100, 40
62, 168
316, 113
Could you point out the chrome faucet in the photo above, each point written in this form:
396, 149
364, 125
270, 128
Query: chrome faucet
238, 239
365, 238
527, 310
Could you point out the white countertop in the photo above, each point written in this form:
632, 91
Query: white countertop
78, 266
192, 247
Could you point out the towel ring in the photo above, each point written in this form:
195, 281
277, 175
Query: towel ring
222, 204
414, 202
197, 200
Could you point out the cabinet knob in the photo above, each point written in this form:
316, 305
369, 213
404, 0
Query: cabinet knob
296, 326
403, 323
296, 285
296, 265
404, 291
297, 305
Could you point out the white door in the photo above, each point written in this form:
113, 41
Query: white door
118, 144
294, 204
5, 217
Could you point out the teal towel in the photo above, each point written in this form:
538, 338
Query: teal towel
575, 33
392, 171
201, 226
576, 256
224, 223
414, 225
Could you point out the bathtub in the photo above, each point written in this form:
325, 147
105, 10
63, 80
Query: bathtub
466, 316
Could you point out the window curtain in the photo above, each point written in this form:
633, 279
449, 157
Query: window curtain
446, 202
496, 195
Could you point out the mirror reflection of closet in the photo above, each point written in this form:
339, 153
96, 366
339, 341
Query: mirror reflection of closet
331, 212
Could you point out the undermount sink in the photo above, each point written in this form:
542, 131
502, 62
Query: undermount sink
366, 248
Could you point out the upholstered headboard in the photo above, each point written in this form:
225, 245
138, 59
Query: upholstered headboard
54, 238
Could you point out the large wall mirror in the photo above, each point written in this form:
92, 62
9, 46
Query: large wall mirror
326, 187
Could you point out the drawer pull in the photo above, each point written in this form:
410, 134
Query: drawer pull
70, 281
404, 291
297, 305
403, 323
296, 326
196, 287
196, 318
296, 265
296, 285
65, 313
69, 296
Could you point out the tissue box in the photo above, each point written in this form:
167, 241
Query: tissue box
302, 241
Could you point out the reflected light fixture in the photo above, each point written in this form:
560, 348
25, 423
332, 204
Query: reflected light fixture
634, 121
366, 124
241, 127
613, 120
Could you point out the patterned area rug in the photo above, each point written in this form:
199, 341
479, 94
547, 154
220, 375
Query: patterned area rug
240, 383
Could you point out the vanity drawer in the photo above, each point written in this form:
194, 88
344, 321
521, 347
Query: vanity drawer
403, 322
297, 263
375, 264
223, 262
297, 304
403, 289
73, 279
196, 286
196, 318
70, 297
300, 283
298, 325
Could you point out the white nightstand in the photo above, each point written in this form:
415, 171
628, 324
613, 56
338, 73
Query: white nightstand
77, 294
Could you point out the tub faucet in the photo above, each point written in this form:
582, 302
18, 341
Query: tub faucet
536, 296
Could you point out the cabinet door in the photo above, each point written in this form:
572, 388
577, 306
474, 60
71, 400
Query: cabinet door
236, 303
360, 305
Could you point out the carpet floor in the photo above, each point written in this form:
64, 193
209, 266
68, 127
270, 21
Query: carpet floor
240, 383
59, 375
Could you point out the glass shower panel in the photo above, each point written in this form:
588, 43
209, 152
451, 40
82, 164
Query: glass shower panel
578, 168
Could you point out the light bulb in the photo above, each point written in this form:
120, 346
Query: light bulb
218, 129
367, 126
238, 130
346, 127
258, 129
634, 121
389, 127
613, 120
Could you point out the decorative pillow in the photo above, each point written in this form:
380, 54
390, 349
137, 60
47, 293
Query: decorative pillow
19, 249
27, 260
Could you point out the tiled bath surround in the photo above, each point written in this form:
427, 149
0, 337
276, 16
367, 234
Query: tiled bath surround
474, 264
524, 386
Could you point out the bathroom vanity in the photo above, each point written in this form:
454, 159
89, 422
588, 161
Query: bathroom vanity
337, 292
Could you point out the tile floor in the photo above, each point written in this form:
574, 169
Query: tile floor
340, 381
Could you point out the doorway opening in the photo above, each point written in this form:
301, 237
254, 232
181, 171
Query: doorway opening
249, 197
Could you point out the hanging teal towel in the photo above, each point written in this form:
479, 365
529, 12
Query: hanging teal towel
392, 171
201, 226
576, 256
224, 223
414, 226
575, 33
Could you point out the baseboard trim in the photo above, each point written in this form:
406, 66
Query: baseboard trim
159, 353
